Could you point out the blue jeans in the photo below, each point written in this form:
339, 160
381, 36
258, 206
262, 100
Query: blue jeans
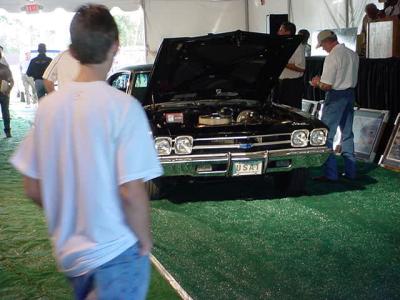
125, 277
40, 89
5, 111
339, 111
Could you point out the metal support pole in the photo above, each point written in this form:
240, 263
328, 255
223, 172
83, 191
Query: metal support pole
247, 12
142, 3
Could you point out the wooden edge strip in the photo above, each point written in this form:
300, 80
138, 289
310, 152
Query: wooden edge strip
170, 279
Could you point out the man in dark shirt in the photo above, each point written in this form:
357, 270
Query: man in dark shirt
36, 68
6, 84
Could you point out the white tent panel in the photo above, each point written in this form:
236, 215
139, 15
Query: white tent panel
315, 15
176, 18
70, 5
258, 13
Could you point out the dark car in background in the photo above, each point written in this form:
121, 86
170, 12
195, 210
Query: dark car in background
208, 102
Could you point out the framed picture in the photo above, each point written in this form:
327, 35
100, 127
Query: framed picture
311, 107
391, 157
368, 127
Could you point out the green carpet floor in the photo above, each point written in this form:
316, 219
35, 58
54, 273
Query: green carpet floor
245, 241
27, 267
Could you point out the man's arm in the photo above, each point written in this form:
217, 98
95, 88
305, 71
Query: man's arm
32, 190
48, 85
316, 82
293, 67
137, 212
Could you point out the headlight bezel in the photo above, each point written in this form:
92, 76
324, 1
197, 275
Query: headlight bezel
315, 131
305, 141
157, 140
177, 142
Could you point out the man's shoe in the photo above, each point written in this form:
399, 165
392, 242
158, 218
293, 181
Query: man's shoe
323, 179
8, 133
347, 177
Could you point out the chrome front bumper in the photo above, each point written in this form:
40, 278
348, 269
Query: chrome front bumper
222, 164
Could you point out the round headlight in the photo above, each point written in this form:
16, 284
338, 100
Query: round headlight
299, 138
318, 137
163, 145
183, 145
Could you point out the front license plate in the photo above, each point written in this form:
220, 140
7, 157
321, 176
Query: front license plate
247, 168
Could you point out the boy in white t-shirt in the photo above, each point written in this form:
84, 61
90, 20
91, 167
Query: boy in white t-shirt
85, 162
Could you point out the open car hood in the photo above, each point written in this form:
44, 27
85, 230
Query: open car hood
229, 65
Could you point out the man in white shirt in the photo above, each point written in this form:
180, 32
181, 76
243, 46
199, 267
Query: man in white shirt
62, 69
290, 88
87, 167
338, 80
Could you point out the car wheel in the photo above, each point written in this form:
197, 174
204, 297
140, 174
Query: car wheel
291, 183
153, 189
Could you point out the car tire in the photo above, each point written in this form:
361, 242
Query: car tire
153, 188
291, 183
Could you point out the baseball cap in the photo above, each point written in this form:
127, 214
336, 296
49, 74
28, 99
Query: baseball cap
323, 35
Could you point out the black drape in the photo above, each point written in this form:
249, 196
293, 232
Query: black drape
378, 87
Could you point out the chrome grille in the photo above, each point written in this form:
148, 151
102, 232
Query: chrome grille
232, 143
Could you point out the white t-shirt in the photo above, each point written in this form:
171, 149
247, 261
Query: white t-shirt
341, 68
62, 69
88, 138
298, 58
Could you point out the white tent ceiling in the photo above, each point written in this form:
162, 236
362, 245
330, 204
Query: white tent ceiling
70, 5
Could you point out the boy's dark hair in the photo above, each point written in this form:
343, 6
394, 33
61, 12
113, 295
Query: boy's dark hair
93, 31
289, 27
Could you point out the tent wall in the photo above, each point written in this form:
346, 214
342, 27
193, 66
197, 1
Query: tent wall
175, 18
310, 14
258, 13
328, 14
69, 5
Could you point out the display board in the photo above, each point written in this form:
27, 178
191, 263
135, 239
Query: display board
368, 127
391, 157
311, 107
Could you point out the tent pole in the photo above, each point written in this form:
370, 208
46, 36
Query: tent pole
246, 4
347, 13
146, 46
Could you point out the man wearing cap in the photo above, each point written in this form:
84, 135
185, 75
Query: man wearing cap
36, 68
338, 80
290, 88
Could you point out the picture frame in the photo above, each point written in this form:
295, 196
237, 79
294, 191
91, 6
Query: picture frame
390, 158
368, 127
310, 106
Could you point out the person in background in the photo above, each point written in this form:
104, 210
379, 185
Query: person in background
64, 68
6, 84
87, 169
289, 90
372, 13
3, 59
338, 80
36, 68
306, 36
392, 8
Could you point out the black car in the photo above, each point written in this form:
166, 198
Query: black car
208, 102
